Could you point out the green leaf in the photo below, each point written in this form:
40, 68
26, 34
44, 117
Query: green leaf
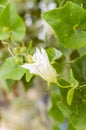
10, 83
2, 2
11, 70
62, 2
59, 1
82, 51
55, 127
80, 1
78, 119
76, 113
62, 104
55, 112
28, 76
69, 23
79, 69
73, 81
65, 84
53, 54
70, 127
11, 25
70, 95
2, 5
74, 84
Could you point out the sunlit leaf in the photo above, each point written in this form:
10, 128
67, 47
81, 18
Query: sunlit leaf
73, 81
53, 54
70, 96
11, 25
67, 23
55, 112
79, 69
76, 112
11, 70
63, 83
28, 76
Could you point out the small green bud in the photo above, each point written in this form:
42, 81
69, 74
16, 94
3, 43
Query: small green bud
22, 49
5, 29
29, 59
16, 51
19, 60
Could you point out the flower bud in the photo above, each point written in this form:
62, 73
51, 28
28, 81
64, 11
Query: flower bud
23, 49
29, 59
5, 29
16, 51
19, 60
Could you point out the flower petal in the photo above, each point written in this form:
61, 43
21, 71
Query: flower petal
44, 56
37, 57
31, 67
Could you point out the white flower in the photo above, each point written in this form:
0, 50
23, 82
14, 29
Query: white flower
41, 66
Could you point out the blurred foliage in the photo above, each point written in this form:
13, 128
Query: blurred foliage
23, 95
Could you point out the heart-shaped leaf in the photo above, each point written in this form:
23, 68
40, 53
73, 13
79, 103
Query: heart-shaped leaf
11, 70
69, 23
79, 69
11, 25
53, 54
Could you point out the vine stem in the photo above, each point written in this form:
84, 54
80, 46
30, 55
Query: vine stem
82, 86
68, 62
9, 49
